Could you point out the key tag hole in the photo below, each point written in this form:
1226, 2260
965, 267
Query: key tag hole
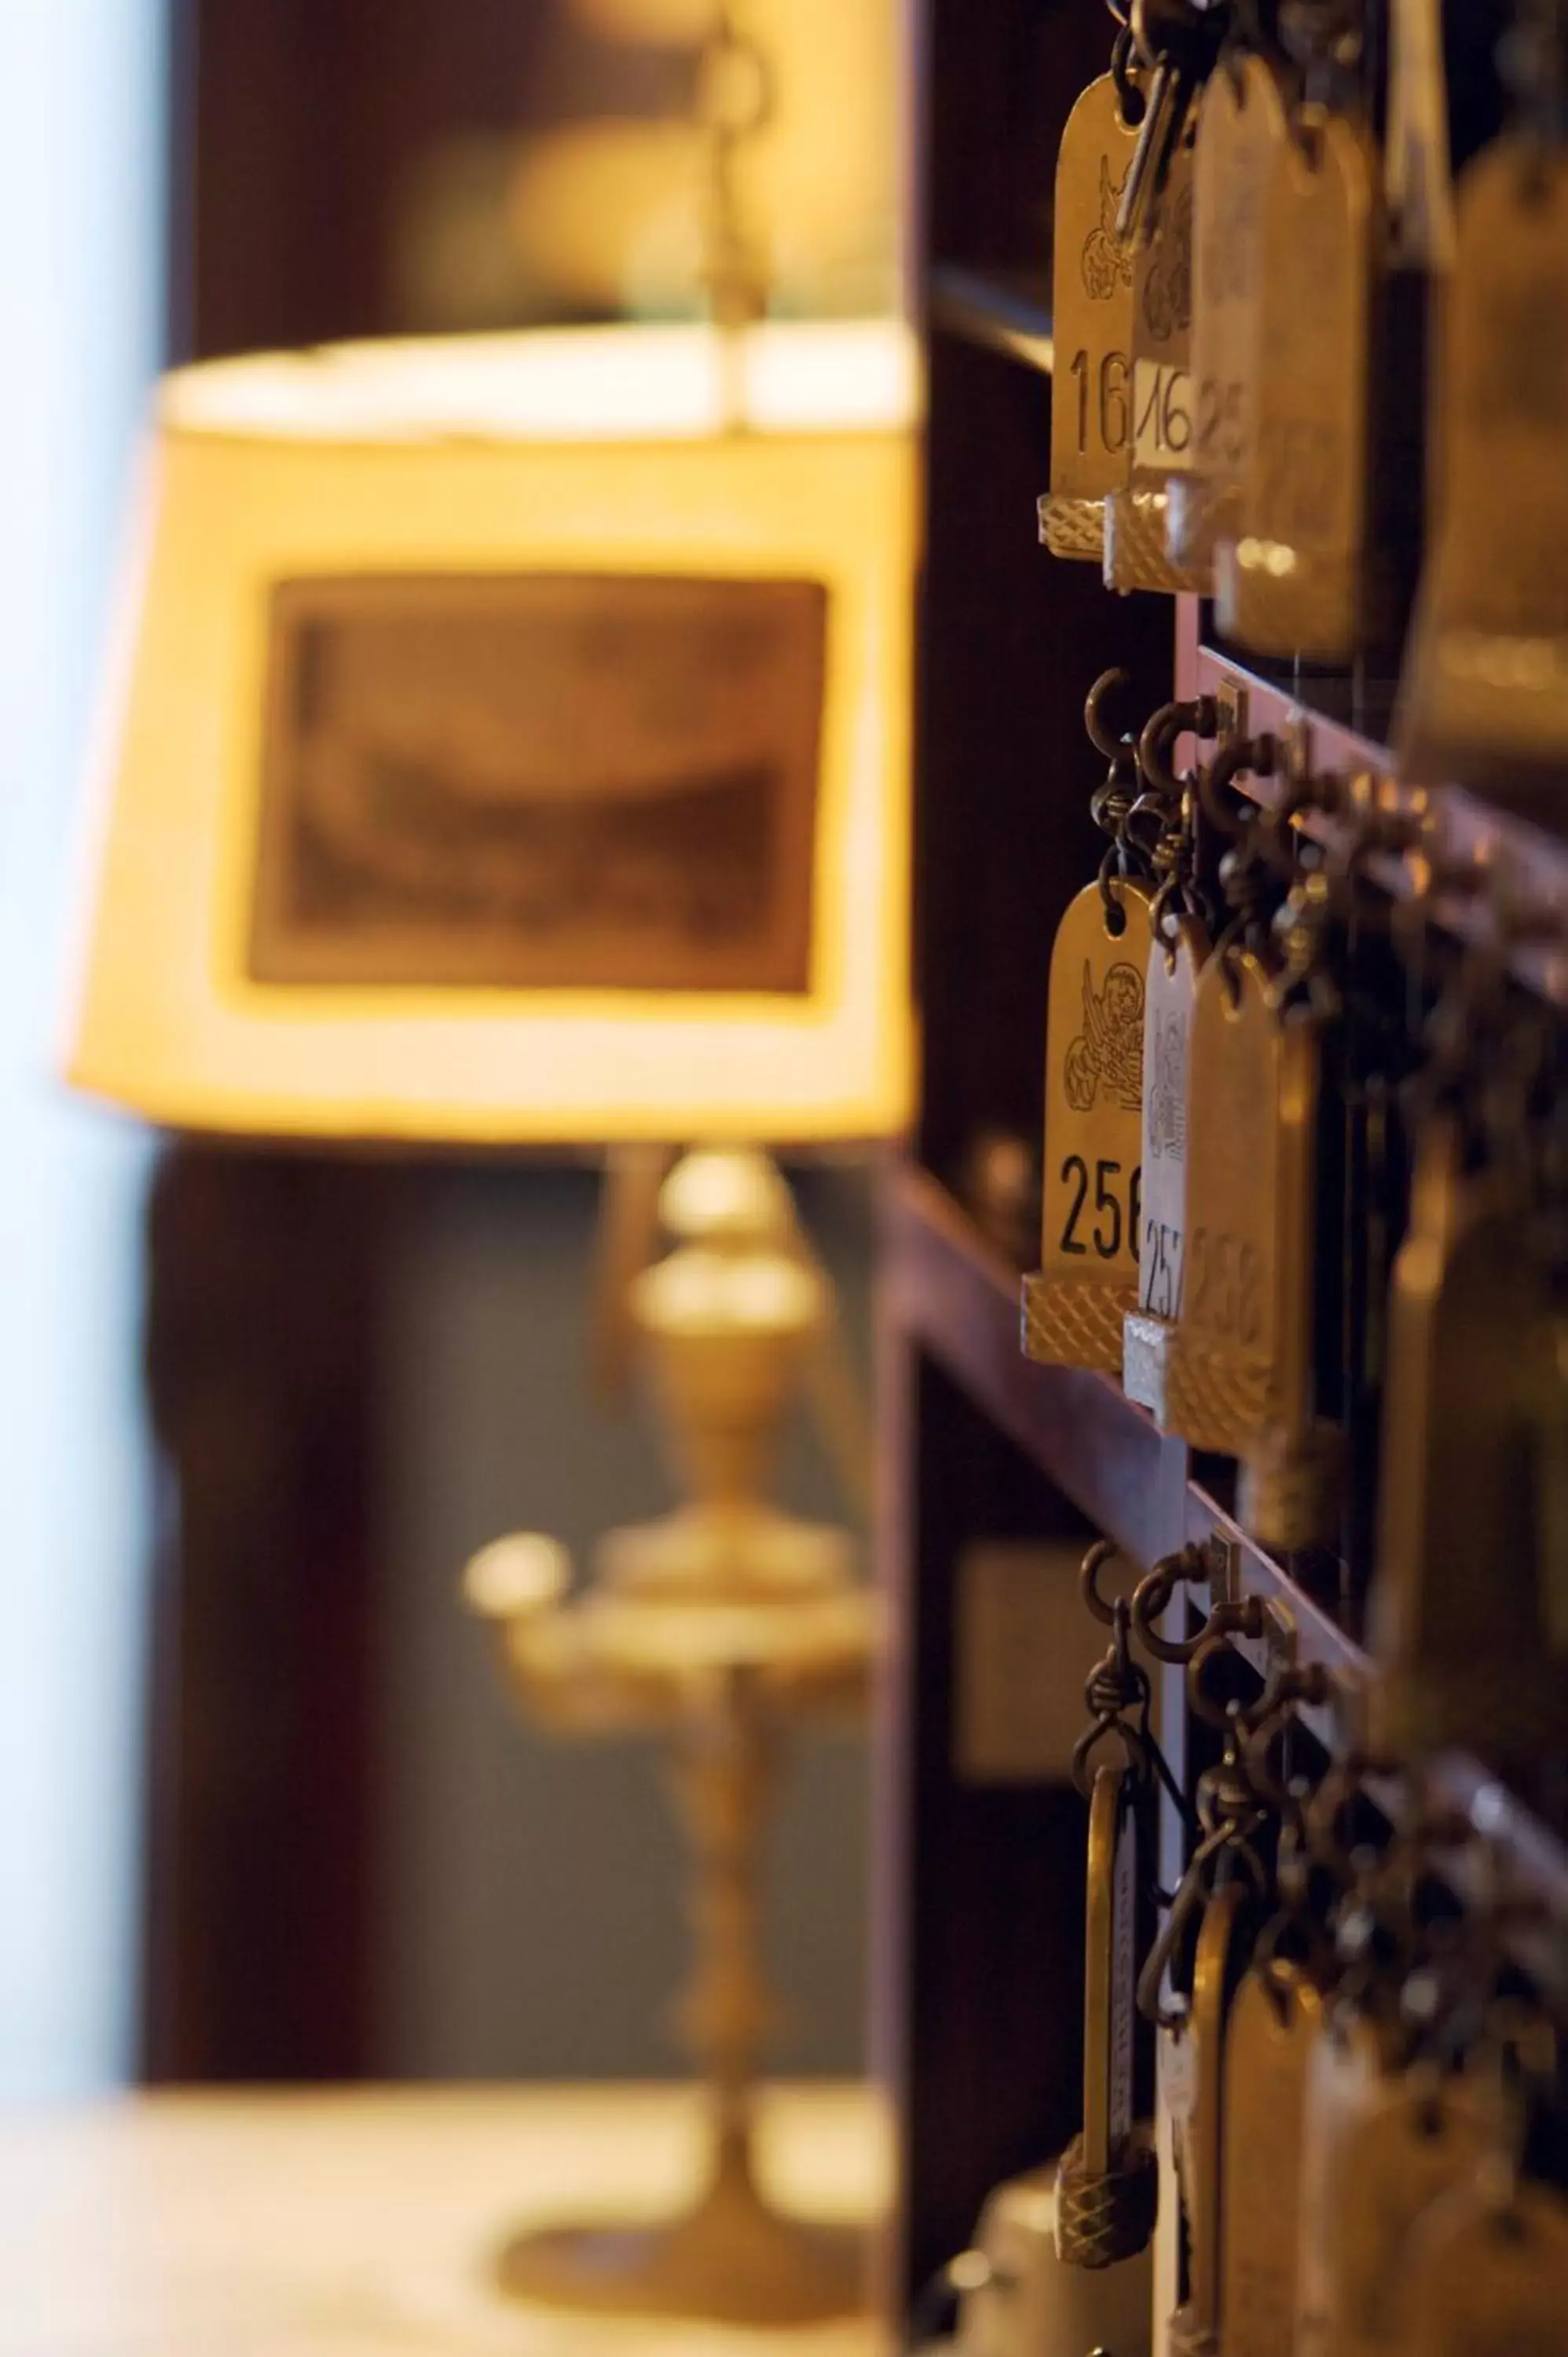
1307, 130
1130, 99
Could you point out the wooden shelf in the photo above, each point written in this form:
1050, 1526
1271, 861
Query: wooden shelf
993, 313
954, 1294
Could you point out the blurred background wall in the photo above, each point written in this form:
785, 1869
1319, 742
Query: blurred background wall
527, 1899
358, 1859
82, 88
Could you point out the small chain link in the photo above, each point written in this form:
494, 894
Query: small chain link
734, 104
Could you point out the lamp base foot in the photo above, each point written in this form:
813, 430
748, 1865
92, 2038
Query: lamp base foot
731, 2259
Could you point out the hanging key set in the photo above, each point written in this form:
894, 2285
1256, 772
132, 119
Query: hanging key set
1305, 1169
1264, 1060
1310, 357
1362, 2085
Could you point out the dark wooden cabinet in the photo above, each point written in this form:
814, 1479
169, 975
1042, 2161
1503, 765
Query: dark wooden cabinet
983, 1889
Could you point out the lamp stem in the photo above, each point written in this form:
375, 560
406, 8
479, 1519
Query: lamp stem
724, 1770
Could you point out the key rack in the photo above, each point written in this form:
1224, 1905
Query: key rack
981, 1904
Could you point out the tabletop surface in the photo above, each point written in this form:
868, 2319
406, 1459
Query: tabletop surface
360, 2223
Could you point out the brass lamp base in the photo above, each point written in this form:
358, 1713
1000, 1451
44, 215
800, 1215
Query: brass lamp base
732, 2260
719, 1627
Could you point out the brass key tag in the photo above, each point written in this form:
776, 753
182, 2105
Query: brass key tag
1274, 2028
1344, 2077
1175, 960
1379, 2148
1240, 125
1290, 583
1108, 2180
1488, 2274
1162, 445
1240, 1367
1092, 393
1473, 1436
1074, 1305
1483, 698
1194, 2328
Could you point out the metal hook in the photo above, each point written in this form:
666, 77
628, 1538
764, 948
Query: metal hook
1254, 755
1226, 1717
1196, 715
1191, 1893
1326, 1811
1276, 827
1289, 1687
1239, 1617
1102, 1551
1434, 878
1114, 682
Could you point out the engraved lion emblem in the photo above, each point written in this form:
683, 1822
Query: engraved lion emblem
1167, 284
1108, 1053
1167, 1094
1105, 264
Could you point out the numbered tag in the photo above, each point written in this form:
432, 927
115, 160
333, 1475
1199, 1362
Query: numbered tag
1274, 2028
1169, 996
1240, 126
1290, 583
1378, 2149
1135, 514
1475, 1438
1485, 694
1092, 391
1240, 1362
1487, 2274
1075, 1305
1241, 1357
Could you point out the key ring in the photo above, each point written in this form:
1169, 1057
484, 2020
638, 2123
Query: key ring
1236, 820
1102, 1551
1118, 1684
1197, 717
1115, 1686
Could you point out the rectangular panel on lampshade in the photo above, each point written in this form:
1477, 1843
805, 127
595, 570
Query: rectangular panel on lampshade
513, 745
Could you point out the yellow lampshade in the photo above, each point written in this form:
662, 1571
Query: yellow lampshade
509, 748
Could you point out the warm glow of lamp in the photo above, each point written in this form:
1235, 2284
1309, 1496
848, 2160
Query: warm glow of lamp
512, 744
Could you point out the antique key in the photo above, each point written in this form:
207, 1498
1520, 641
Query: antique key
1092, 399
1222, 1888
1274, 2022
1177, 958
1484, 697
1178, 44
1194, 2328
1240, 125
1107, 2180
1290, 582
1075, 1304
1161, 443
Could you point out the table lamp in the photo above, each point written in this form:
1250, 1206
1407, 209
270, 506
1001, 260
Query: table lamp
511, 744
509, 747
